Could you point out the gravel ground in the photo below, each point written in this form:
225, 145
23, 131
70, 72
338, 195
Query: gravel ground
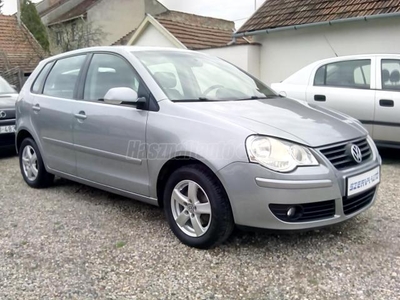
75, 242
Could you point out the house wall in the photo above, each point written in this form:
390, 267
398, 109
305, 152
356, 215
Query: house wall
118, 17
285, 52
59, 11
246, 57
151, 37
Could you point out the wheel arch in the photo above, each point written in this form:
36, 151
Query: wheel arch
21, 135
172, 165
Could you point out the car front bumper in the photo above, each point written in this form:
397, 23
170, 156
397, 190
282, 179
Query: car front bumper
253, 190
7, 140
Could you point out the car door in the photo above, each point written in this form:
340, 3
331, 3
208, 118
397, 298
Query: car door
110, 139
52, 112
346, 86
387, 104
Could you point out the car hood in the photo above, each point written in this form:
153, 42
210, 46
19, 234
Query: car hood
7, 101
287, 119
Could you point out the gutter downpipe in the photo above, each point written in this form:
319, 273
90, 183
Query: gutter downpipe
329, 23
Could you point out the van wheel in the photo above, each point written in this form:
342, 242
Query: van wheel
197, 207
31, 165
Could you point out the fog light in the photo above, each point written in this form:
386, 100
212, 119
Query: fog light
291, 212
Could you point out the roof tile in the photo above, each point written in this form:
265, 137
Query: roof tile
278, 13
18, 48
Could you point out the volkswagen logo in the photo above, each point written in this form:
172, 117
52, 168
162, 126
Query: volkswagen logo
3, 115
356, 153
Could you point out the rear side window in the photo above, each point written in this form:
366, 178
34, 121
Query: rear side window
38, 85
63, 77
348, 74
390, 74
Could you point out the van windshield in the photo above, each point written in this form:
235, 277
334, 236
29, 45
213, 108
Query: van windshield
187, 76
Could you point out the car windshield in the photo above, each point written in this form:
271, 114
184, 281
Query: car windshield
5, 88
187, 76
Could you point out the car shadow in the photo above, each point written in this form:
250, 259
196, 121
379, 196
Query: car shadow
390, 156
263, 241
7, 153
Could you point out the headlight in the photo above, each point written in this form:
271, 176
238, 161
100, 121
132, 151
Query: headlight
278, 155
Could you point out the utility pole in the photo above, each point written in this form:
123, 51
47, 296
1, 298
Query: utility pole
19, 11
255, 5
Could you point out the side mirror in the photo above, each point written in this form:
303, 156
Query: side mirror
282, 94
122, 95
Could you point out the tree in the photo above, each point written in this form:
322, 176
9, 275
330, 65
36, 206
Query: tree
76, 34
32, 21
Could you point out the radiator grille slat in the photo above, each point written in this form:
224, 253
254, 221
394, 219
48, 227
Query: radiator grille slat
339, 157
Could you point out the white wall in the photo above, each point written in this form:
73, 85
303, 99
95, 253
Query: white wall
151, 37
116, 17
285, 52
246, 57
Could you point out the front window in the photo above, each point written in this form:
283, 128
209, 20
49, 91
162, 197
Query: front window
346, 74
185, 76
5, 88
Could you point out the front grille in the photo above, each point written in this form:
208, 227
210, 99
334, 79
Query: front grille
339, 156
304, 212
355, 203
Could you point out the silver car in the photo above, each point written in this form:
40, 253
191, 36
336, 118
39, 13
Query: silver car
195, 135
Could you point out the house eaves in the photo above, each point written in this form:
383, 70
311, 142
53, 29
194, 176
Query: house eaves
325, 23
151, 21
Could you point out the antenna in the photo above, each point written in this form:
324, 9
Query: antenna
330, 45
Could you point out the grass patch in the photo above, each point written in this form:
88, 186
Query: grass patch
120, 244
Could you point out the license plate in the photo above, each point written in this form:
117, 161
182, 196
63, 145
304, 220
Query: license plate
363, 182
7, 129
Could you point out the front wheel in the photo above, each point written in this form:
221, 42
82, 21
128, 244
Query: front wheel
197, 207
32, 166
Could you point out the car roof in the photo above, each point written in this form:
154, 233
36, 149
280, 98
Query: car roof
359, 56
117, 49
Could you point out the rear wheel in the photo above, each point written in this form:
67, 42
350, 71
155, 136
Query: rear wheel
197, 207
32, 167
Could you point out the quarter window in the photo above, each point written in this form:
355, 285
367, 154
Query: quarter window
349, 74
108, 71
37, 86
63, 77
391, 74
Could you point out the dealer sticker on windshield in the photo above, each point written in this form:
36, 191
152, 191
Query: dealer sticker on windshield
363, 182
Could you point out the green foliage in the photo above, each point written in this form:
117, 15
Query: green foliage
32, 21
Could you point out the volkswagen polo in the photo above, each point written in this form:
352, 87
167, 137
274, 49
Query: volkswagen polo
206, 141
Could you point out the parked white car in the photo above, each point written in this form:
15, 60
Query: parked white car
366, 87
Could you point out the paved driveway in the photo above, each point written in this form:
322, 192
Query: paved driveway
72, 241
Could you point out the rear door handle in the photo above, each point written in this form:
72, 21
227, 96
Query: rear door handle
81, 115
386, 103
320, 98
36, 107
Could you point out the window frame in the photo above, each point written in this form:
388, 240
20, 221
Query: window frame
344, 87
78, 82
151, 103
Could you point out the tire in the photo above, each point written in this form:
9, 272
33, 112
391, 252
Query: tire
216, 224
32, 167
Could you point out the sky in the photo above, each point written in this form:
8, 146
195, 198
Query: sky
235, 10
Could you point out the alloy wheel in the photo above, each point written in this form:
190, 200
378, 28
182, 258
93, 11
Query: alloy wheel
30, 163
191, 208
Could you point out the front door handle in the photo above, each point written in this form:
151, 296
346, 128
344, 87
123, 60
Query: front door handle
320, 98
386, 103
36, 107
81, 115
